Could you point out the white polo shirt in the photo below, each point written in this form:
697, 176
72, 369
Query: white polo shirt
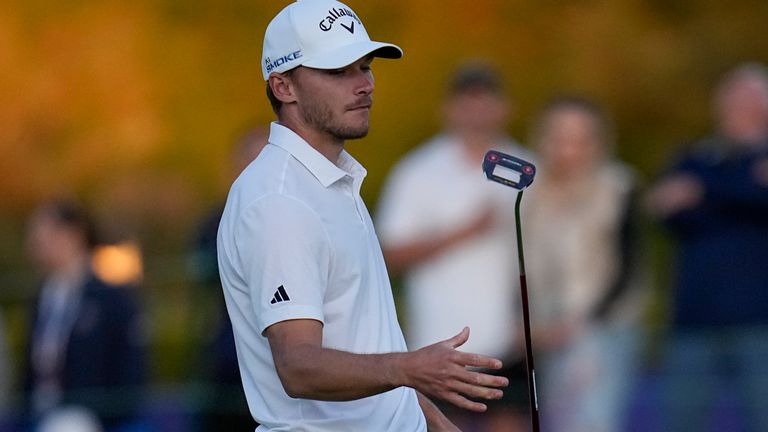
296, 242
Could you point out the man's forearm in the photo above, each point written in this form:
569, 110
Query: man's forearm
313, 372
401, 258
327, 374
436, 420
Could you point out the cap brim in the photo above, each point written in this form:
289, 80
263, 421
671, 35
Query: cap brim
348, 54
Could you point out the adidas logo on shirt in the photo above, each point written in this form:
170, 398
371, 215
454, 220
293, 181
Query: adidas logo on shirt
280, 296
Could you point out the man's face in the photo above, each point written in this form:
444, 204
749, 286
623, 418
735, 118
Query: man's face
570, 142
50, 244
477, 111
336, 102
743, 110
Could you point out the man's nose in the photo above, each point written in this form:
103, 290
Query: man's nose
365, 83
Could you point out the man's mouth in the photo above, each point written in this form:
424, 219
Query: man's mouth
361, 105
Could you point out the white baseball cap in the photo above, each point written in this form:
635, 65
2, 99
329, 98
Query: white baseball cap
322, 34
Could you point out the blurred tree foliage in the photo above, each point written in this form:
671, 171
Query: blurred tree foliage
134, 106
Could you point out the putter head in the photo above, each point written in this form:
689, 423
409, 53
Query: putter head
508, 170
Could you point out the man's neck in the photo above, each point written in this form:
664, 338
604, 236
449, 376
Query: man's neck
328, 145
73, 270
476, 145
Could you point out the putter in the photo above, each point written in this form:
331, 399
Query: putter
518, 174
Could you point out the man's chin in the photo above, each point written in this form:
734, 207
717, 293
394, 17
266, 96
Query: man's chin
352, 133
361, 134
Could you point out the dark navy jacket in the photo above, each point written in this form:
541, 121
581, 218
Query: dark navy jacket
105, 362
722, 276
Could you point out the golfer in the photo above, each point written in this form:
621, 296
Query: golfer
318, 341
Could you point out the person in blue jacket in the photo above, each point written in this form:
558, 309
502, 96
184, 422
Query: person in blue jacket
714, 200
86, 344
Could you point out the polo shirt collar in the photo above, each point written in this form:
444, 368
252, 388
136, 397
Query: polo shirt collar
326, 172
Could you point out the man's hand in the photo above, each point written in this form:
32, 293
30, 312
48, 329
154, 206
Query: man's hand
440, 371
675, 194
402, 257
477, 226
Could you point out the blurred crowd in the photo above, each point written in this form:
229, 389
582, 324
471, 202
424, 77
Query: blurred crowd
449, 239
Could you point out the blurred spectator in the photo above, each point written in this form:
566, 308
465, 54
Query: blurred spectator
581, 255
714, 200
452, 234
224, 405
86, 346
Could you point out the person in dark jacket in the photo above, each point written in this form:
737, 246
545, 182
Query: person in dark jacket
714, 201
223, 405
86, 345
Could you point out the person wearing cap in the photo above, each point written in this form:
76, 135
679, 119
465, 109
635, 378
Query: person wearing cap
304, 280
453, 239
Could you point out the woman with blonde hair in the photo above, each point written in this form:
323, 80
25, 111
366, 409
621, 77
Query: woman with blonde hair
582, 266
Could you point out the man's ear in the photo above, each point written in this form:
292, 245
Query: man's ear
282, 87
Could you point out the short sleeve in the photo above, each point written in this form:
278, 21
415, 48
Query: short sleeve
284, 252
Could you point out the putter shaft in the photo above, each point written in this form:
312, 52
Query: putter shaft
529, 366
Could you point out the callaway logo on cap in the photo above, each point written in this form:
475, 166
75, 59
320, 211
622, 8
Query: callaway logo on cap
322, 34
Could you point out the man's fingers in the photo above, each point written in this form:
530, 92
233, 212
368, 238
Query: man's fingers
462, 402
460, 339
481, 361
478, 392
484, 379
